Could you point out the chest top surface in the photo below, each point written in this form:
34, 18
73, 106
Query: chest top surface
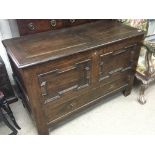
37, 48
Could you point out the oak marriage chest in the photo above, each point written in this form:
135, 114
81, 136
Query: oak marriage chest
63, 71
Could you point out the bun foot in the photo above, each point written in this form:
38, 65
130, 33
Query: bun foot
127, 92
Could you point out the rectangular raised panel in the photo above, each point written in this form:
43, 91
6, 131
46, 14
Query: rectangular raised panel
116, 61
56, 83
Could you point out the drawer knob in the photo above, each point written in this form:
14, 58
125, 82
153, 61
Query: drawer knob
31, 26
53, 23
72, 20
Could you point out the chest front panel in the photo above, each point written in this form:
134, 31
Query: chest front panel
64, 83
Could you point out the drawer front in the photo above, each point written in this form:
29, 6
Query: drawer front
57, 111
115, 62
65, 78
30, 26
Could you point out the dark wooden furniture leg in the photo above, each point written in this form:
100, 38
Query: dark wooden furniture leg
4, 106
14, 131
8, 110
127, 91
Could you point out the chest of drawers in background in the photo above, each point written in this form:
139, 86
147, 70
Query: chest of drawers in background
31, 26
64, 71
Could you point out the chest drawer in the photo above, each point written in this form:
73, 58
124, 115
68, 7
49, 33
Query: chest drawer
59, 110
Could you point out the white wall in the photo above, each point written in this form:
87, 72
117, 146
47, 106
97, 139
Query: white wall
14, 28
8, 29
151, 29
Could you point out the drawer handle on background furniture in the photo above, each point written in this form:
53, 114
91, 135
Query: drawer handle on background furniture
31, 26
72, 20
53, 23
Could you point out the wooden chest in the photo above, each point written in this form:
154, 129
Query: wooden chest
64, 71
5, 85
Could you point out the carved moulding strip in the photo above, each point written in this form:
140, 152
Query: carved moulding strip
117, 70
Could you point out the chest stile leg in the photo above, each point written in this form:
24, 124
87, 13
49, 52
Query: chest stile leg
95, 68
36, 105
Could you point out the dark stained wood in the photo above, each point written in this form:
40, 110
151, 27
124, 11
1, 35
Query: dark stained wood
47, 46
66, 70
